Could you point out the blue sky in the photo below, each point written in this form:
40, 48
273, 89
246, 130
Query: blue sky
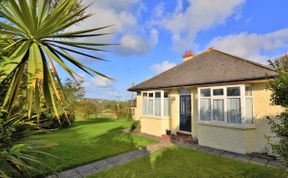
155, 34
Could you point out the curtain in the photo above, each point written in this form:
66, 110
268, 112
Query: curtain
205, 109
249, 111
166, 107
218, 110
233, 110
157, 106
150, 107
144, 106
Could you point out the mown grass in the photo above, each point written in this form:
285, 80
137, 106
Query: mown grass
85, 142
181, 162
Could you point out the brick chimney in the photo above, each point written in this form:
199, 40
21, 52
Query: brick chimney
188, 55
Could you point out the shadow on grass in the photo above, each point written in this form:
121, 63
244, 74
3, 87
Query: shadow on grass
94, 121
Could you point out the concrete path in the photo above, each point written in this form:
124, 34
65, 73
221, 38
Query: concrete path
245, 158
101, 165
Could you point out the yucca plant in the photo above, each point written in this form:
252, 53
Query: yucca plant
38, 38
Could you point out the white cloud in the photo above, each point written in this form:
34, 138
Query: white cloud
123, 14
165, 65
251, 45
133, 44
200, 15
98, 81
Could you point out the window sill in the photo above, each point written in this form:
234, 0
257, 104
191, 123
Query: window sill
154, 117
226, 125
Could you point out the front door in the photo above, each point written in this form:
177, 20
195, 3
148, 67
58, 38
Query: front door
185, 113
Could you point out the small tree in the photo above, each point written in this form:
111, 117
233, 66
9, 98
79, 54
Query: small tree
279, 124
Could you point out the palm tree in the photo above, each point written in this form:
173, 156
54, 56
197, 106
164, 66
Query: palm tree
35, 38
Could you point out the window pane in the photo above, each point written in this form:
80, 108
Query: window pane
150, 107
248, 91
166, 94
205, 109
166, 107
234, 110
151, 95
218, 92
205, 92
233, 91
249, 111
158, 95
218, 110
145, 95
157, 106
185, 92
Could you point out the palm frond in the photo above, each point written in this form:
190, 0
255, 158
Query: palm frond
35, 25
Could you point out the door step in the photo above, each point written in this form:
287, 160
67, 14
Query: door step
182, 137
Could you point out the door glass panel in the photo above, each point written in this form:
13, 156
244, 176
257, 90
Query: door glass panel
182, 105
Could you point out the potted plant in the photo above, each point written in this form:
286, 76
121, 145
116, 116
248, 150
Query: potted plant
168, 132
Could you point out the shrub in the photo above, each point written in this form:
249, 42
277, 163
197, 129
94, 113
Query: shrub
279, 124
49, 121
136, 125
18, 161
13, 128
124, 114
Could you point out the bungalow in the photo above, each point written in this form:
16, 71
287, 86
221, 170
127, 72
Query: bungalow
219, 99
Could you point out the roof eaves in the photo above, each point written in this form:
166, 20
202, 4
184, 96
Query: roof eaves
197, 84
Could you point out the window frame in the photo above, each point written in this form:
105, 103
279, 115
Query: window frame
242, 98
162, 97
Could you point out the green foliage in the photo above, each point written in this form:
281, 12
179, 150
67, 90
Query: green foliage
38, 39
135, 126
74, 91
13, 128
279, 124
279, 85
20, 158
87, 107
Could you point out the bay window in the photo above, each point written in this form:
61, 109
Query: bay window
155, 103
226, 104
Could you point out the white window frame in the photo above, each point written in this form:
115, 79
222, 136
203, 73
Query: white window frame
225, 97
162, 102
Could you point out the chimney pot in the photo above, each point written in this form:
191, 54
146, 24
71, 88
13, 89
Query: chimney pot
188, 55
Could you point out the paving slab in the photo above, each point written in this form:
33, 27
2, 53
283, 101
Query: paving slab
228, 154
85, 168
243, 158
216, 151
276, 164
259, 161
72, 173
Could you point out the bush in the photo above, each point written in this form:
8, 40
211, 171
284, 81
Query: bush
49, 121
125, 114
136, 125
279, 124
13, 128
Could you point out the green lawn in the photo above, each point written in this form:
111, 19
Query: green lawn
85, 142
181, 162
